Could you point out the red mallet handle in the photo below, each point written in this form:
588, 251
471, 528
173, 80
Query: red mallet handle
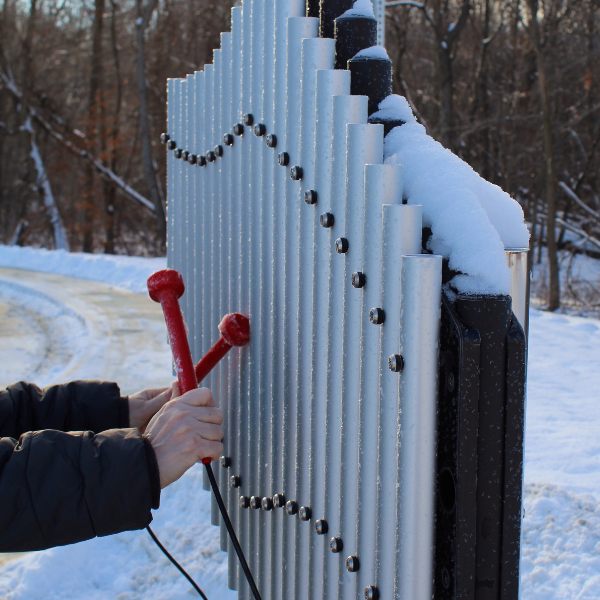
235, 331
167, 287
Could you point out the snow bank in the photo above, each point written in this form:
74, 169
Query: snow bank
126, 272
472, 220
560, 555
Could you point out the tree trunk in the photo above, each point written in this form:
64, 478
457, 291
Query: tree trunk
448, 134
144, 15
554, 287
93, 113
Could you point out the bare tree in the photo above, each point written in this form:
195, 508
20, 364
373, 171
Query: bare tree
144, 15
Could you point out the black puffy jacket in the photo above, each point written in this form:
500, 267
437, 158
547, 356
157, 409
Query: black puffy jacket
77, 470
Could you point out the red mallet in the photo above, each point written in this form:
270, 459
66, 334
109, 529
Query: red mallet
167, 287
235, 331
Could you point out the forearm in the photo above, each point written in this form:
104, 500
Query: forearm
75, 406
60, 488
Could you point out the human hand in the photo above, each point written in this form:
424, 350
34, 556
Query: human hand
184, 431
145, 404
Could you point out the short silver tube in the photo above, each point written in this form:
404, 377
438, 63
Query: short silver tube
516, 259
419, 346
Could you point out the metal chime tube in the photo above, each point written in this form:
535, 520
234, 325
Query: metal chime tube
197, 216
329, 84
213, 273
346, 109
419, 346
225, 234
234, 272
170, 171
206, 227
183, 198
383, 185
298, 29
401, 235
317, 53
283, 10
176, 250
266, 301
255, 292
244, 306
364, 146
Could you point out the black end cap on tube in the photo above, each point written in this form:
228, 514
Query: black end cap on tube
388, 124
353, 33
330, 10
371, 76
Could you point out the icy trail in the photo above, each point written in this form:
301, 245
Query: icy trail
561, 529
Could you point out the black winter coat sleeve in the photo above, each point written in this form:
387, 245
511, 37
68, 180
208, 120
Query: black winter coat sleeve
75, 406
58, 488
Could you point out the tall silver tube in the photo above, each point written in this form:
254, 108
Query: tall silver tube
234, 291
330, 83
298, 29
346, 109
317, 53
401, 235
170, 170
383, 186
279, 519
364, 146
419, 346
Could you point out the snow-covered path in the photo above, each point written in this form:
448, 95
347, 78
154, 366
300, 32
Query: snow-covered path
65, 328
57, 328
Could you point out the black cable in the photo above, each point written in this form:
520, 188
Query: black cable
234, 540
175, 563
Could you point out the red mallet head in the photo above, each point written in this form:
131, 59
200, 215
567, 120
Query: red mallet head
235, 329
167, 287
167, 280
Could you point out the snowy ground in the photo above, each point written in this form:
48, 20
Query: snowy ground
89, 323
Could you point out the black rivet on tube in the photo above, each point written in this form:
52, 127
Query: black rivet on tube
278, 500
330, 10
352, 564
267, 503
164, 138
371, 75
244, 502
171, 145
248, 119
201, 161
336, 544
371, 593
377, 316
271, 140
185, 155
225, 462
321, 527
255, 502
192, 159
353, 33
284, 159
228, 139
238, 129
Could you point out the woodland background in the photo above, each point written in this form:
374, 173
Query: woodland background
511, 86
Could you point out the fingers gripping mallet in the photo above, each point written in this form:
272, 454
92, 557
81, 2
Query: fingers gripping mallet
167, 287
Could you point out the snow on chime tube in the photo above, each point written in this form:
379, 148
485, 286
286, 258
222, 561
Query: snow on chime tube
383, 186
364, 146
206, 229
346, 109
298, 29
170, 170
353, 32
401, 234
329, 84
225, 276
419, 347
244, 300
317, 53
256, 402
234, 256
